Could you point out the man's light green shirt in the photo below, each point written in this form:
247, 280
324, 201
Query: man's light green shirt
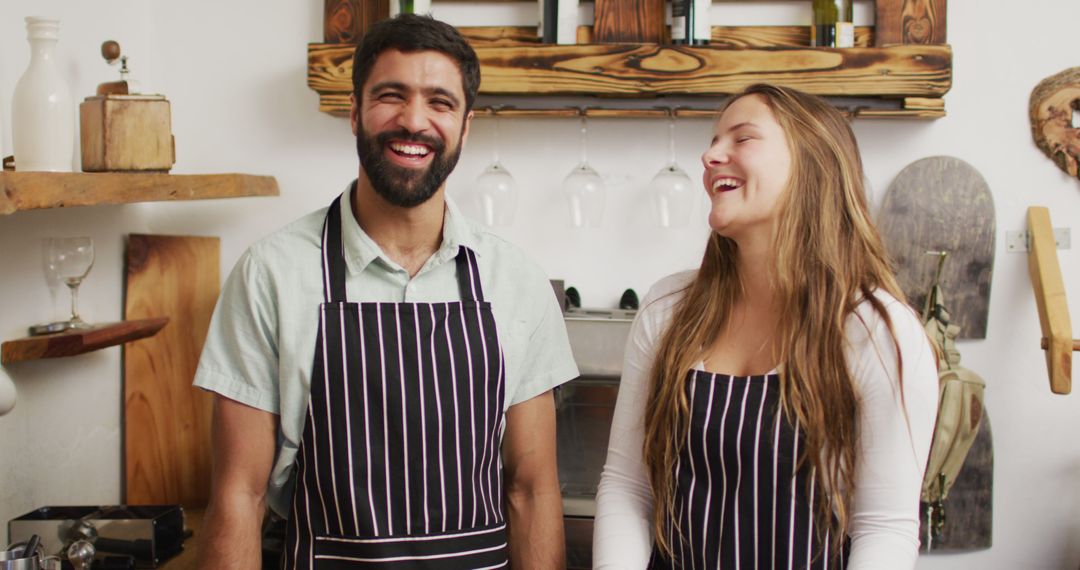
261, 343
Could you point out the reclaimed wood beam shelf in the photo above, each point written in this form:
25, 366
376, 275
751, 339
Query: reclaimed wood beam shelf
626, 79
37, 190
71, 343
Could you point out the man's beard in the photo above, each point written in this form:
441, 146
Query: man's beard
404, 187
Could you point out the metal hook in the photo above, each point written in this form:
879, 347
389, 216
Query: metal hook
941, 265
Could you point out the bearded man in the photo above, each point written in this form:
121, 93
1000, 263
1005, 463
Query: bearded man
383, 368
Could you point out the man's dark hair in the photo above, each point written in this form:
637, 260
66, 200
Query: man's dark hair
411, 33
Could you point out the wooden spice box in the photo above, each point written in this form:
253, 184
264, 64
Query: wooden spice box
126, 133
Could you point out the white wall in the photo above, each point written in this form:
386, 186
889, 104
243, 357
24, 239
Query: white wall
235, 74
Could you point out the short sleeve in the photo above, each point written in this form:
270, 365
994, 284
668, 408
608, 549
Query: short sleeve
547, 361
240, 356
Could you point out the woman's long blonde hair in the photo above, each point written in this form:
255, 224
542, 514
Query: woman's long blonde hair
828, 258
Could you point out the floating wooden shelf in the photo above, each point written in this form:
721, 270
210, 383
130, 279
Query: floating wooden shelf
71, 343
900, 81
36, 190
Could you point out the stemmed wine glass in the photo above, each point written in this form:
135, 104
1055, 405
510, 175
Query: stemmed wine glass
671, 189
584, 189
71, 259
496, 191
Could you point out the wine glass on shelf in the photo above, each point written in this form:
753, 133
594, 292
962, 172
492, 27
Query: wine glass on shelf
72, 259
671, 189
583, 188
496, 192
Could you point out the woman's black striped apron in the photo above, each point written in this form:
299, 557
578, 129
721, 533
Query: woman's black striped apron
399, 464
739, 499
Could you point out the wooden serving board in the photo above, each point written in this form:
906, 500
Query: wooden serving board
942, 203
166, 419
969, 509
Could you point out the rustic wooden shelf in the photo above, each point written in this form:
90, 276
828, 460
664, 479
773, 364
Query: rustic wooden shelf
36, 190
910, 78
81, 341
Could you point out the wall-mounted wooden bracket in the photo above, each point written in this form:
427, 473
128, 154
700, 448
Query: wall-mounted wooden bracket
1050, 297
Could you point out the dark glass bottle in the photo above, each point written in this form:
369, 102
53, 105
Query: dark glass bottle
833, 24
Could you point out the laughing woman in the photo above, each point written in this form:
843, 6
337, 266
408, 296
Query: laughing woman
776, 404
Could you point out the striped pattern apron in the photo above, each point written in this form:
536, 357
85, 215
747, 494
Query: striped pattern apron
739, 499
399, 464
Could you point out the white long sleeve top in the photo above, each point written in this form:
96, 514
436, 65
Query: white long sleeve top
894, 437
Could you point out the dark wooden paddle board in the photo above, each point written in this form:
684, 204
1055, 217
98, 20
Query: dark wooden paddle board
942, 203
970, 507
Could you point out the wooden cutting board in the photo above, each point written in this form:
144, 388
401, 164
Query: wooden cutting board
166, 420
942, 203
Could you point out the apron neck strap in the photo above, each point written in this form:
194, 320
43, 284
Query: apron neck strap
333, 255
333, 262
468, 275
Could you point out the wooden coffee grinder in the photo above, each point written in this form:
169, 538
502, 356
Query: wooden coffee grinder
123, 130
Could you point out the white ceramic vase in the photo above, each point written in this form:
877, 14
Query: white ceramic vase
42, 110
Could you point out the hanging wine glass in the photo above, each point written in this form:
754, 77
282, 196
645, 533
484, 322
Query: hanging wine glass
72, 259
496, 192
584, 189
671, 189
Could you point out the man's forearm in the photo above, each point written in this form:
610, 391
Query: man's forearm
232, 534
536, 531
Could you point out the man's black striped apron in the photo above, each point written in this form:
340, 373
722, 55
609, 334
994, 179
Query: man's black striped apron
399, 463
739, 498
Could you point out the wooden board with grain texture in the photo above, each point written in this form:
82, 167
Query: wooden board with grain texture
36, 190
166, 419
629, 21
345, 21
942, 203
79, 341
649, 70
910, 22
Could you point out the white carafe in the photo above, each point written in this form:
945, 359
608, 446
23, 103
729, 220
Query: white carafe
42, 110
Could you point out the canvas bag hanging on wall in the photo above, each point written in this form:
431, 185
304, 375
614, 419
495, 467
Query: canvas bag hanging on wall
960, 405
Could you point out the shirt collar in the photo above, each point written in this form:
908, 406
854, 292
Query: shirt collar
361, 250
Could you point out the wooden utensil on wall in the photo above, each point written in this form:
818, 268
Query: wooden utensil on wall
166, 419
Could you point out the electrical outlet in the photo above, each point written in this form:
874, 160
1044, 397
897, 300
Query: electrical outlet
1019, 241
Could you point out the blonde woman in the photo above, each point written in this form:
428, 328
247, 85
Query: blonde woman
776, 404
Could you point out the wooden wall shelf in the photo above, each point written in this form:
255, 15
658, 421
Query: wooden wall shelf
911, 78
71, 343
36, 190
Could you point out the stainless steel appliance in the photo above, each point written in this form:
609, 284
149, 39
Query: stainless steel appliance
147, 534
584, 407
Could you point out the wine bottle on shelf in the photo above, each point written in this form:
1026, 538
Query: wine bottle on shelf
558, 21
702, 22
409, 7
690, 22
833, 24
